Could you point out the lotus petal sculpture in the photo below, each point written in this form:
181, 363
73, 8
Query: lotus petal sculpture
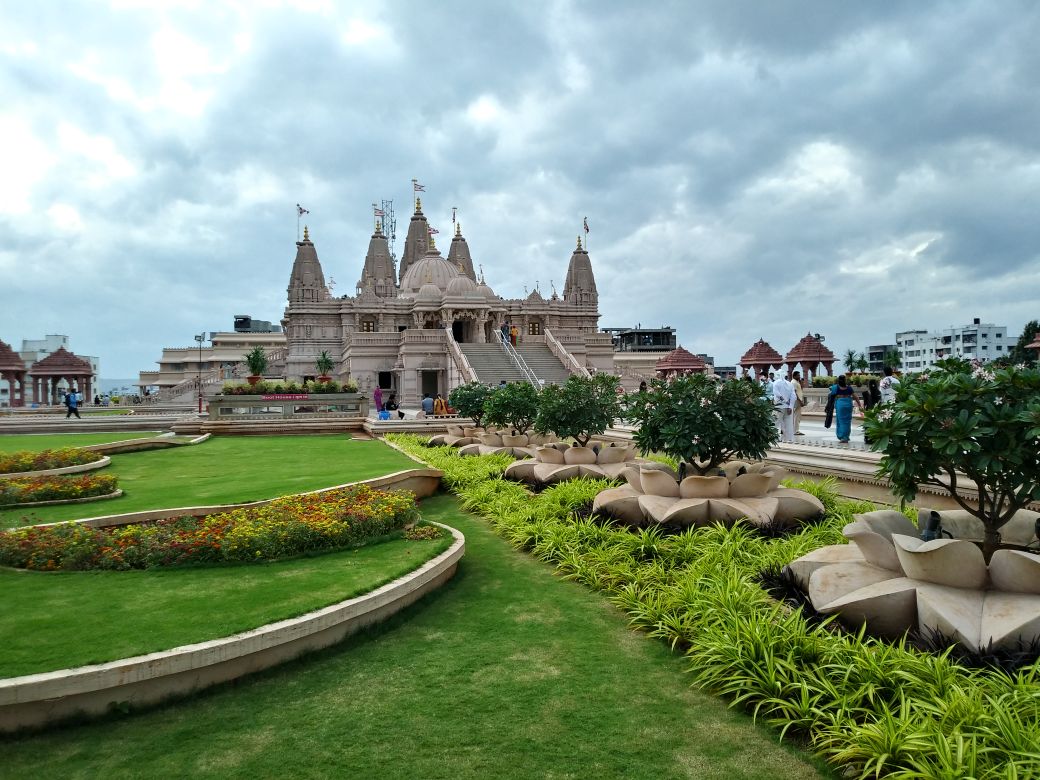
477, 441
893, 581
747, 490
559, 461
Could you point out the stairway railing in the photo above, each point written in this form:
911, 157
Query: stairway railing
462, 364
518, 359
564, 356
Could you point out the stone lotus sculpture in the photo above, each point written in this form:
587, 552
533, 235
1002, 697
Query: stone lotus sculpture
747, 490
893, 581
478, 441
558, 462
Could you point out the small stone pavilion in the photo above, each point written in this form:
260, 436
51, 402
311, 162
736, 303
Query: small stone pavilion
760, 359
809, 354
680, 362
12, 371
48, 373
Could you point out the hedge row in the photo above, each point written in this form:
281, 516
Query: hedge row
869, 707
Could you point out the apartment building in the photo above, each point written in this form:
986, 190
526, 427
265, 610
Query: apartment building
984, 341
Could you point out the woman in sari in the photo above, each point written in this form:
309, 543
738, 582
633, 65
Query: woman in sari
844, 396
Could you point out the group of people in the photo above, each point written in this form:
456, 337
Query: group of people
842, 397
788, 398
389, 407
510, 333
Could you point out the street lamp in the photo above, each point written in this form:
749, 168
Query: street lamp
200, 338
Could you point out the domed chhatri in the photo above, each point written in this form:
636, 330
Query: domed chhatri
894, 582
560, 461
761, 358
741, 490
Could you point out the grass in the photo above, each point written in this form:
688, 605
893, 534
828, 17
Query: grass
224, 470
51, 441
63, 619
504, 672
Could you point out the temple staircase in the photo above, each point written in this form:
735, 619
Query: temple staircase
492, 363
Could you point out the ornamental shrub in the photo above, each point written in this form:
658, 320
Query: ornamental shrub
703, 422
514, 406
469, 400
24, 460
581, 408
287, 526
256, 360
964, 419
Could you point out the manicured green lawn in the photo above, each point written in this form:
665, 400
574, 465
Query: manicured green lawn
51, 441
505, 672
56, 620
228, 469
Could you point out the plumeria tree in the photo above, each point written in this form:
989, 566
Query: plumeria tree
702, 421
964, 420
469, 399
514, 406
580, 409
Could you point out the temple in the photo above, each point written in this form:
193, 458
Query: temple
435, 323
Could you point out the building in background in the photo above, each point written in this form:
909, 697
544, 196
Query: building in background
640, 339
983, 341
225, 350
876, 357
55, 366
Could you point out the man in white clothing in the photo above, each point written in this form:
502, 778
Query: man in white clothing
888, 386
784, 400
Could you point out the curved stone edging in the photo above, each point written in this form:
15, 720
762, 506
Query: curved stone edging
92, 466
37, 700
86, 500
160, 442
422, 483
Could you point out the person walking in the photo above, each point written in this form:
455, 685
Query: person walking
783, 402
844, 396
514, 332
888, 386
505, 332
72, 404
796, 380
377, 398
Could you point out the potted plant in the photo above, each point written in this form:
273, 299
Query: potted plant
703, 423
324, 365
256, 360
469, 400
965, 419
514, 406
581, 408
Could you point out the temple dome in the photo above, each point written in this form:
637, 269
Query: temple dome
462, 286
431, 268
761, 354
485, 289
429, 292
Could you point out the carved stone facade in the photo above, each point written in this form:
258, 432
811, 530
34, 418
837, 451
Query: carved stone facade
393, 330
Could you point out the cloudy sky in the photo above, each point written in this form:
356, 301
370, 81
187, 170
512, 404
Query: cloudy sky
748, 169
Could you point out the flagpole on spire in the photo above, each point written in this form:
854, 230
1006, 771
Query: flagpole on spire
415, 189
585, 226
300, 211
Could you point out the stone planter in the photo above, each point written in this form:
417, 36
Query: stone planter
509, 440
275, 406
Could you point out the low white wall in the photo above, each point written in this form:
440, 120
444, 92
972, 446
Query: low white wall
40, 699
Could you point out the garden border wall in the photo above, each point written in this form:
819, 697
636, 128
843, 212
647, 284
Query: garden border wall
37, 700
92, 466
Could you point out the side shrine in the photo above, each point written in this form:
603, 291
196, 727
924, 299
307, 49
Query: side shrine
435, 324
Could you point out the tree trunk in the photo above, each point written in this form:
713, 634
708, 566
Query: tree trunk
990, 543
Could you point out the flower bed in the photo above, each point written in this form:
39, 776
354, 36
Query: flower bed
18, 462
30, 490
289, 526
870, 708
266, 387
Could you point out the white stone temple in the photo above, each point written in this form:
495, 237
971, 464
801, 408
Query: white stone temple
433, 324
